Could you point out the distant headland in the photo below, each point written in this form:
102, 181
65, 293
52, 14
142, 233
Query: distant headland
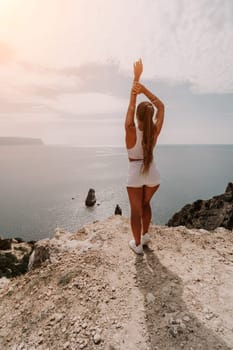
20, 141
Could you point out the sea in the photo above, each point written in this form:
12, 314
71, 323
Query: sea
45, 187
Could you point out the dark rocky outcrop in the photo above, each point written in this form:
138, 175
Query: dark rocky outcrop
40, 253
19, 239
207, 214
14, 257
118, 210
91, 199
5, 243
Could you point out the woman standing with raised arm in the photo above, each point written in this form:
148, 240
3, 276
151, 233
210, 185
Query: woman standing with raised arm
143, 176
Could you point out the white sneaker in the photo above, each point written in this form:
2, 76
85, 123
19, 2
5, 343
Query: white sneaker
136, 248
145, 239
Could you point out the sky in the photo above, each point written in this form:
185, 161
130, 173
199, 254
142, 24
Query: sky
66, 68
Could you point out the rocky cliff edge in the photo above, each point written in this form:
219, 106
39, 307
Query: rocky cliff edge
93, 292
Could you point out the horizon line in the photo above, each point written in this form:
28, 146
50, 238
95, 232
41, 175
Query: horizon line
120, 146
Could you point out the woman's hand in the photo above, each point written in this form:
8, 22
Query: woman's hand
138, 68
137, 88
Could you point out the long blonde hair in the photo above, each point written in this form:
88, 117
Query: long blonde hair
145, 112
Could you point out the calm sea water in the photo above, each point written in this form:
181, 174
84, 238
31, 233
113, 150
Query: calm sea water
37, 184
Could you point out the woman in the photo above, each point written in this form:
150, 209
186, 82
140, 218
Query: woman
143, 176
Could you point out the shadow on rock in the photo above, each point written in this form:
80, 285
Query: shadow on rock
170, 325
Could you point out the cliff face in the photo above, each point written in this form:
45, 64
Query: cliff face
208, 214
93, 292
5, 141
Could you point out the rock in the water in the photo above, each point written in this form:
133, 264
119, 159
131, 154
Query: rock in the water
207, 214
118, 210
91, 199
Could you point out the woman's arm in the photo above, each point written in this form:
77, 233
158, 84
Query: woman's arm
139, 88
129, 119
159, 117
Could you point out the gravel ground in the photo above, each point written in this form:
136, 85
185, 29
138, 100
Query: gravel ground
178, 295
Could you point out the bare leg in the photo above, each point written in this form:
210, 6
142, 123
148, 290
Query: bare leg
146, 208
136, 225
146, 217
135, 198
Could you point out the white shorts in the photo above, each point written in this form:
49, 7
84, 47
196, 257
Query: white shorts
136, 179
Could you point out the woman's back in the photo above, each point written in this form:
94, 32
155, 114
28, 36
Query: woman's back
136, 152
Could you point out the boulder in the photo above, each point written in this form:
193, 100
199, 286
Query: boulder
40, 253
207, 214
19, 239
14, 261
118, 210
91, 199
5, 243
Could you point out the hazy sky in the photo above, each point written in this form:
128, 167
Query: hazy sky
66, 68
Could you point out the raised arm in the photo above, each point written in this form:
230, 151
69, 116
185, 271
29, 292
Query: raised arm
159, 117
129, 119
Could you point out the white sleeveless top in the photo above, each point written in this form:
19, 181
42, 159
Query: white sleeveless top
136, 152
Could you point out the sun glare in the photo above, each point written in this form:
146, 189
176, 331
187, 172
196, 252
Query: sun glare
7, 6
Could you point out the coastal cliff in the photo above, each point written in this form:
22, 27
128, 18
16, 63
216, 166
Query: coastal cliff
88, 290
208, 214
17, 141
